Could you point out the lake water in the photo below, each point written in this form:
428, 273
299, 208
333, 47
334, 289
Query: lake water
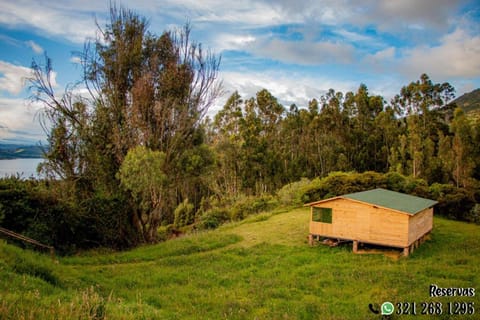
25, 167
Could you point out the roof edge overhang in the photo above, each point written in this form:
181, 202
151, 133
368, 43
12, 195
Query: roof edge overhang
366, 203
321, 201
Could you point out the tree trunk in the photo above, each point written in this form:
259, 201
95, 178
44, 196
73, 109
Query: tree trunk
150, 233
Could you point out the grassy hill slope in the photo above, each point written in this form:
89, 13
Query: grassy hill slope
259, 268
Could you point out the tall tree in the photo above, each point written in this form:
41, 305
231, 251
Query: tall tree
419, 101
463, 149
226, 140
144, 90
366, 144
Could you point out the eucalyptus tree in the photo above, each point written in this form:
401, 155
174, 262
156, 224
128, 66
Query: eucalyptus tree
226, 140
464, 149
419, 101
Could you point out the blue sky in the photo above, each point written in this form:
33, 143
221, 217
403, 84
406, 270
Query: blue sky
295, 49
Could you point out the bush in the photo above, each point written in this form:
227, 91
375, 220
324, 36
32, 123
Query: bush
294, 193
454, 203
184, 214
395, 181
2, 213
213, 218
338, 183
167, 232
245, 206
474, 214
416, 186
34, 209
105, 222
30, 210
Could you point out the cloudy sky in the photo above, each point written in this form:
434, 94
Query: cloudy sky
295, 49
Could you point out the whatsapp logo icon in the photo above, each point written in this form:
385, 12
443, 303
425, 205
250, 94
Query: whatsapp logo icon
387, 308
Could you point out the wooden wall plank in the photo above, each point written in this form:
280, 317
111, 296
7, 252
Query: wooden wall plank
365, 223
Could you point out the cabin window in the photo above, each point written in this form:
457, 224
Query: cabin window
322, 215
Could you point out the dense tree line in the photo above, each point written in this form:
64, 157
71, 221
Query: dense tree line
260, 145
138, 155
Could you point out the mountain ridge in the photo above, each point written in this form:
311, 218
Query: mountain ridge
20, 151
469, 102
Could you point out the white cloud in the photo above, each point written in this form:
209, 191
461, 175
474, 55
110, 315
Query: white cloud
74, 19
381, 60
232, 41
455, 58
386, 54
18, 120
390, 15
304, 52
289, 88
76, 60
13, 77
301, 52
457, 55
414, 14
240, 13
34, 46
51, 18
251, 26
18, 43
353, 36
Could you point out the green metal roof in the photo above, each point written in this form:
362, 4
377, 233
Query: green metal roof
392, 200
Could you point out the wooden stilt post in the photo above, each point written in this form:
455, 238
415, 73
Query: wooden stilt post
355, 246
310, 239
406, 251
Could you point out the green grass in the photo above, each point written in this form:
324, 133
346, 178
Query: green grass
259, 268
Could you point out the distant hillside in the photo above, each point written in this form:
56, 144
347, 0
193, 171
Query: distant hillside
16, 151
469, 102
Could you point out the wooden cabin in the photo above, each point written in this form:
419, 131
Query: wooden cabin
379, 216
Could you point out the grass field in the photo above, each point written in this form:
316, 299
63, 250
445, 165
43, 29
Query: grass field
260, 268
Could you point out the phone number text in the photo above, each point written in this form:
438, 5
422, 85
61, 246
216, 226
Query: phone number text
435, 308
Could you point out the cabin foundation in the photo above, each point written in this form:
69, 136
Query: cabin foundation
355, 246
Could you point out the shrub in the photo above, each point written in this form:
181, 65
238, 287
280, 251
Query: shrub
34, 209
455, 204
395, 181
474, 214
213, 218
167, 232
338, 183
105, 221
184, 214
439, 190
2, 213
416, 186
294, 193
245, 206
